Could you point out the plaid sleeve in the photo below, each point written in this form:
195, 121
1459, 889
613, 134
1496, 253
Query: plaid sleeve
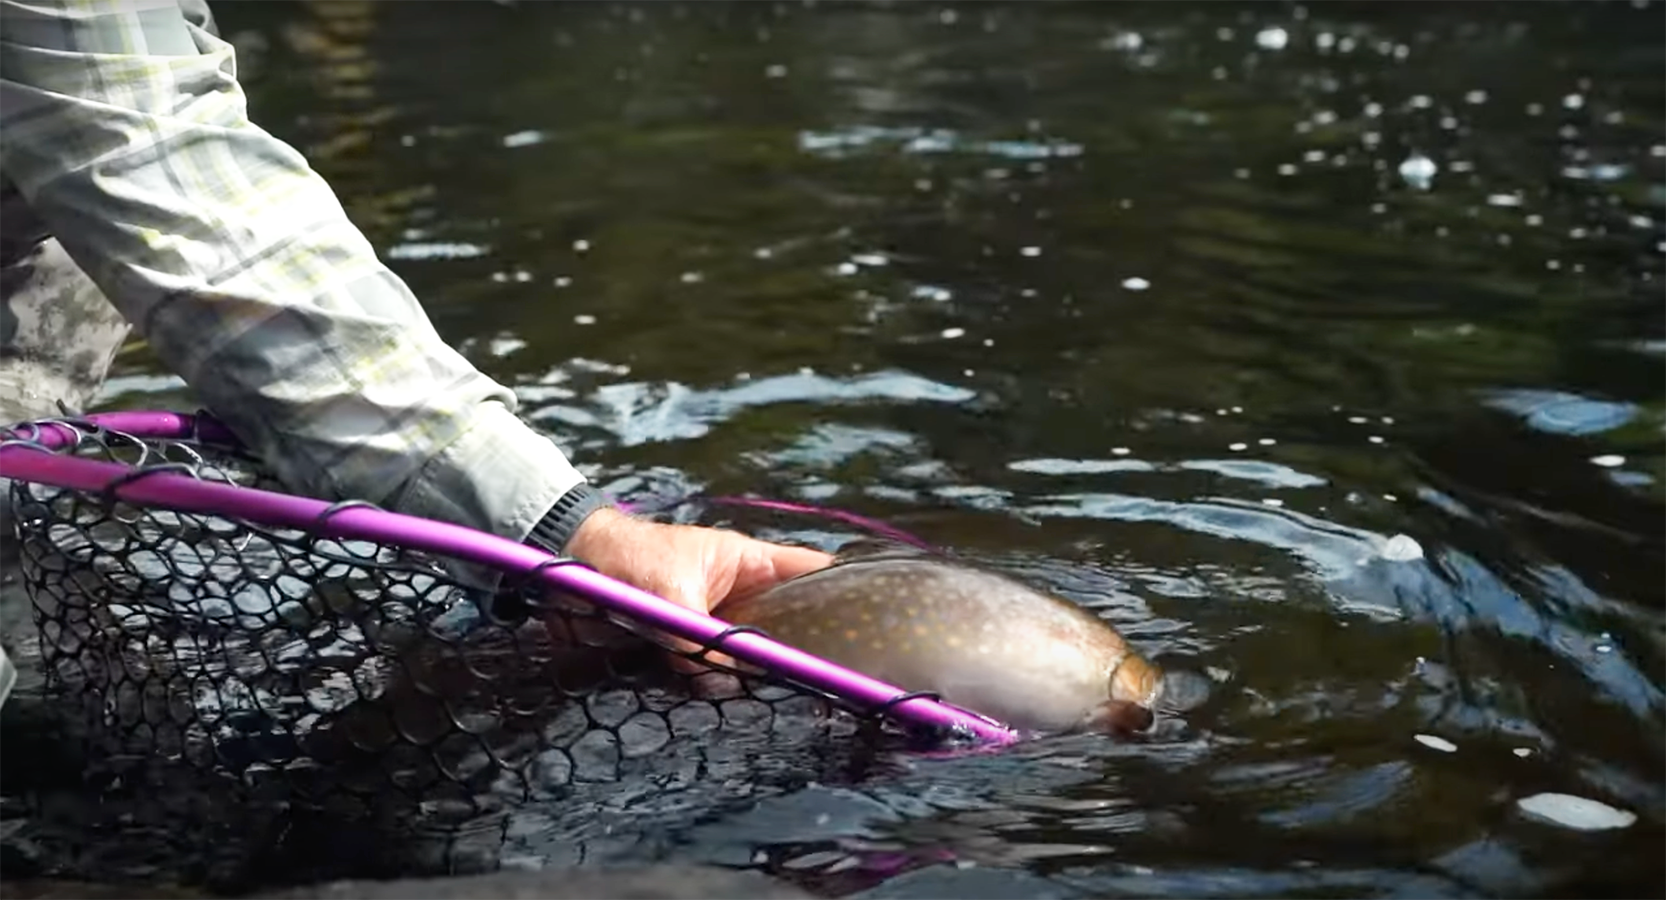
126, 130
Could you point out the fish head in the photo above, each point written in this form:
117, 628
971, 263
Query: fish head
1139, 690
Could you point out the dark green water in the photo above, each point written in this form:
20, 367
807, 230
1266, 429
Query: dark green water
1133, 299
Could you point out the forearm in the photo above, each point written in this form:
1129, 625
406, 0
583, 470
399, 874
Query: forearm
236, 261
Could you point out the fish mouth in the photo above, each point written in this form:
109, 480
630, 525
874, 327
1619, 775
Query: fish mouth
1180, 691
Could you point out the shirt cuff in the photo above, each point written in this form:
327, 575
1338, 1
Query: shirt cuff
499, 477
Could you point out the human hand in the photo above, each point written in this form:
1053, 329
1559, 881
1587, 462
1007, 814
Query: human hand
692, 566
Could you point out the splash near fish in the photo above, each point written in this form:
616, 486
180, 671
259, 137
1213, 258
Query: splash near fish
979, 639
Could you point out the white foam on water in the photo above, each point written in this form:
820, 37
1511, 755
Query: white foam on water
1401, 548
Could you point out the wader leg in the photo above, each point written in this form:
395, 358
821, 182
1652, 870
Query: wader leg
58, 336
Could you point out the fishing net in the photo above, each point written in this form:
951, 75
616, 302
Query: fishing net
358, 678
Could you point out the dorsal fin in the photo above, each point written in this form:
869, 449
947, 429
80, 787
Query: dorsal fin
877, 548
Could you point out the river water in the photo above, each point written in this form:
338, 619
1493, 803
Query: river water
1317, 347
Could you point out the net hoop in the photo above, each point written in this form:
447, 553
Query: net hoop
32, 452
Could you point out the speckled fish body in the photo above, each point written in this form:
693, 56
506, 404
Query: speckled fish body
979, 639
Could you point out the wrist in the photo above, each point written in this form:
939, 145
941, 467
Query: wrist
600, 530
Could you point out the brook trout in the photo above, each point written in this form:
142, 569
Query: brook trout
978, 639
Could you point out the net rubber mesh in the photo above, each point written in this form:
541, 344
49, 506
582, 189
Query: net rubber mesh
348, 681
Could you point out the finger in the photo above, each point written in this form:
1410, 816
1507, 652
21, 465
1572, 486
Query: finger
791, 562
685, 654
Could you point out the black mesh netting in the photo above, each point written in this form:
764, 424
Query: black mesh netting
338, 697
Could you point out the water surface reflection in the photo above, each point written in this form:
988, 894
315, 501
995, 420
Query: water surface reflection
1198, 313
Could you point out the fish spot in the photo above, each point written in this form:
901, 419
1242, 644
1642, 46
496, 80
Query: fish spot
850, 634
920, 630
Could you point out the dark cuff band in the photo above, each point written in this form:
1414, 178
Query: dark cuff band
558, 525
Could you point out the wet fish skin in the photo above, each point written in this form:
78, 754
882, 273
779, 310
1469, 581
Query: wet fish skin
980, 639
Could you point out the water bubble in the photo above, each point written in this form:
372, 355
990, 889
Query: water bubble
1286, 169
1237, 409
1375, 439
952, 333
1437, 743
1358, 420
948, 17
581, 245
1553, 264
1373, 110
1119, 451
1391, 498
1504, 200
1030, 251
1534, 109
1272, 501
1579, 813
846, 268
1266, 442
870, 259
922, 184
584, 319
776, 71
1224, 33
1573, 101
989, 342
1461, 165
1274, 38
1475, 97
1608, 460
1418, 171
1523, 752
1237, 447
1241, 173
763, 253
1324, 40
1135, 284
562, 281
692, 277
